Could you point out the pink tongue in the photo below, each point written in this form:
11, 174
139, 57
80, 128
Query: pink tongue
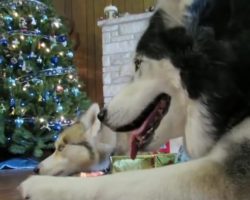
134, 141
141, 131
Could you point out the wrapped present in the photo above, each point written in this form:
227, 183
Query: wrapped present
124, 163
164, 159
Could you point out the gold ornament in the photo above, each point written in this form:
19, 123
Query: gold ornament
40, 98
13, 111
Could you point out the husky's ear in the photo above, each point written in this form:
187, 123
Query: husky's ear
176, 11
89, 118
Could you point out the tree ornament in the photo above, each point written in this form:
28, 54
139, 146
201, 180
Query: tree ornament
32, 55
38, 81
44, 18
22, 23
53, 41
26, 86
9, 28
75, 91
65, 43
33, 20
57, 126
12, 102
59, 108
59, 89
19, 122
46, 95
70, 54
13, 6
12, 111
54, 60
56, 23
12, 81
40, 98
4, 42
2, 108
29, 40
8, 19
37, 31
13, 61
56, 99
62, 39
39, 60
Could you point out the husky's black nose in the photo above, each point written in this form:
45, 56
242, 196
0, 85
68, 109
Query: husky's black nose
102, 114
36, 170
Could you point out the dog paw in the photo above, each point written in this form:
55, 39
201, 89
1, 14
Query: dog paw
43, 188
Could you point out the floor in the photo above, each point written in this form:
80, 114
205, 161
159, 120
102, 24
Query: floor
9, 180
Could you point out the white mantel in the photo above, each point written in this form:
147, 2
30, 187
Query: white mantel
120, 37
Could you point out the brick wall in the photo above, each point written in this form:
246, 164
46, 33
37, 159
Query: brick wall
120, 37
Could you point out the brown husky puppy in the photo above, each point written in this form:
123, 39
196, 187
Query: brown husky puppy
84, 146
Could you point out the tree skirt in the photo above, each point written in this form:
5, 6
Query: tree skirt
18, 163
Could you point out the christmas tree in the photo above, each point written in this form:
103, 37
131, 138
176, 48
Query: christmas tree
40, 92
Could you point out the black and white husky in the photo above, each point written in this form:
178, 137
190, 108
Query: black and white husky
192, 79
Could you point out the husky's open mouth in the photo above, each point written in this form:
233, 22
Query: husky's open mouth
144, 126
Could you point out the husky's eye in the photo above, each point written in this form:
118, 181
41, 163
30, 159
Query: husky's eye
61, 147
137, 62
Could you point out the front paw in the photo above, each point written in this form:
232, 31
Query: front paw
44, 188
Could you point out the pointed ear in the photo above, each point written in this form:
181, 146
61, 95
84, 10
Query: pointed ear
89, 118
176, 10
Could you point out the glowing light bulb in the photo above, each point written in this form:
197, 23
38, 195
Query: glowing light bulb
43, 45
15, 14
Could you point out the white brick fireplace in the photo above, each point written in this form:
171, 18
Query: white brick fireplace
120, 37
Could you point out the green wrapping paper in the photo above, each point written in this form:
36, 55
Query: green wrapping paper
124, 163
165, 159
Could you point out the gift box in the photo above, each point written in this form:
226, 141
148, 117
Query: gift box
124, 163
164, 159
